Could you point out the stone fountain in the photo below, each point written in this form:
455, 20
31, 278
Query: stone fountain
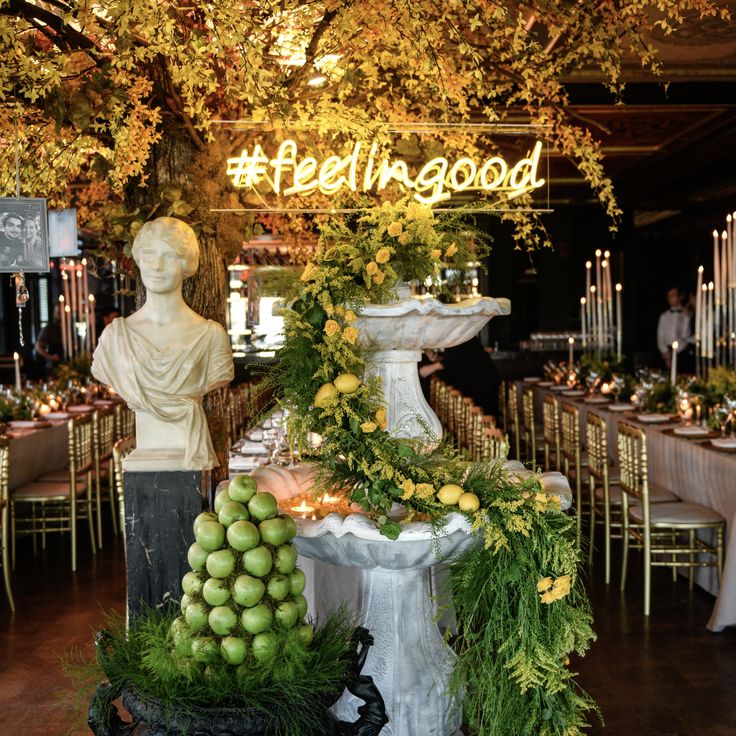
388, 583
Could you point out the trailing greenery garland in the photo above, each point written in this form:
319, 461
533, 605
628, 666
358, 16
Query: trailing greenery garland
518, 597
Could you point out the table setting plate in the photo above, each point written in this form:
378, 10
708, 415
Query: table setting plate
532, 379
597, 400
574, 393
692, 431
619, 407
58, 415
545, 384
653, 418
724, 443
559, 388
104, 402
79, 408
28, 424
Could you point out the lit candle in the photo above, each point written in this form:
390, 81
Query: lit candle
583, 320
724, 320
303, 510
709, 318
673, 364
593, 318
571, 345
43, 410
590, 304
619, 323
609, 294
599, 305
704, 321
61, 325
68, 328
92, 322
604, 298
16, 361
605, 388
81, 306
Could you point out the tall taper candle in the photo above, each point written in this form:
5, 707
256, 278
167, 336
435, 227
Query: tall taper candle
711, 324
63, 328
619, 323
599, 305
92, 322
68, 327
570, 356
704, 321
594, 319
673, 363
16, 361
583, 320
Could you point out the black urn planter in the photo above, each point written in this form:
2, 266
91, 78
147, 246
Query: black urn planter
157, 718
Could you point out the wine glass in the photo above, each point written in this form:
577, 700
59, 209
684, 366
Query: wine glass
721, 415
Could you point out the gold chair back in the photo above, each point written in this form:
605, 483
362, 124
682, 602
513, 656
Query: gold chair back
632, 458
503, 405
4, 509
551, 431
495, 446
120, 450
513, 418
596, 432
530, 428
124, 422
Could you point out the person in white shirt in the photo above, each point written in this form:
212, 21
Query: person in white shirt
674, 324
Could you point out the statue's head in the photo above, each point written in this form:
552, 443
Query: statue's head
167, 252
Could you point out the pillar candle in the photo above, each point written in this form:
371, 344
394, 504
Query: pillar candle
673, 364
16, 361
92, 323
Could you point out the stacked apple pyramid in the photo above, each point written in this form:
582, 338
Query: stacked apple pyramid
245, 591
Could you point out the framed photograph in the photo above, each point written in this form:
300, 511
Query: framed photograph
24, 238
63, 233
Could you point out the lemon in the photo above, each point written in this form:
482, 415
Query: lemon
347, 383
469, 502
449, 494
325, 393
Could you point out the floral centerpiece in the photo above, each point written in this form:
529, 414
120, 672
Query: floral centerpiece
518, 596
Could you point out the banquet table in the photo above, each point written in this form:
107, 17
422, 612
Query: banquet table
694, 471
35, 452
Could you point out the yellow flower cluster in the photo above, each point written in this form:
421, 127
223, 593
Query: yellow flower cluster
308, 272
394, 229
331, 327
409, 488
553, 589
383, 255
546, 502
350, 334
450, 252
381, 420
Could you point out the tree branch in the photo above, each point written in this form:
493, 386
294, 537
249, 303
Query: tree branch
311, 49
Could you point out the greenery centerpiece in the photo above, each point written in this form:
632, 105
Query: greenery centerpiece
518, 596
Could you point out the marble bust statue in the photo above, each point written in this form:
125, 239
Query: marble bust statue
163, 358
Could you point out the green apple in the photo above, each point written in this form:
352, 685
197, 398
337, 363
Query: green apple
185, 601
204, 516
301, 606
286, 615
242, 488
231, 512
222, 620
258, 561
290, 526
285, 558
215, 592
265, 647
278, 587
191, 583
242, 536
196, 616
221, 499
273, 531
232, 649
298, 581
204, 649
247, 590
305, 634
263, 506
257, 619
221, 564
197, 557
210, 535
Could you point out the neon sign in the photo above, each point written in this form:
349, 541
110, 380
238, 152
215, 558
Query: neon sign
364, 170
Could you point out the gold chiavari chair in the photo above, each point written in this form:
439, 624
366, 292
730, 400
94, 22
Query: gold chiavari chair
103, 437
475, 432
495, 445
4, 506
120, 450
572, 456
124, 422
512, 418
441, 399
551, 432
434, 383
463, 433
454, 404
61, 502
532, 443
659, 529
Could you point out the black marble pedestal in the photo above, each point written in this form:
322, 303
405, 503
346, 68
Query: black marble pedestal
160, 508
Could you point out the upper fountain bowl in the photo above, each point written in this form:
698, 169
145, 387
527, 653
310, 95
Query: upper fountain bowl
424, 323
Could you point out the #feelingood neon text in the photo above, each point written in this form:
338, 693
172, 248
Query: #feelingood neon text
288, 174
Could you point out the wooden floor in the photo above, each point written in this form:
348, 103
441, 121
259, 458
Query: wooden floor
668, 676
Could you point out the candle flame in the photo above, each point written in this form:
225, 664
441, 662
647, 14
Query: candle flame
604, 264
711, 286
588, 264
619, 287
607, 254
715, 233
728, 218
16, 356
593, 289
700, 269
598, 253
583, 300
571, 340
675, 345
724, 235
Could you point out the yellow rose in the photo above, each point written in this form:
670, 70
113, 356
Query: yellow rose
436, 254
404, 238
394, 230
381, 418
450, 252
544, 584
562, 585
383, 255
350, 334
548, 597
408, 487
372, 268
331, 327
369, 427
308, 272
425, 490
379, 277
350, 316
